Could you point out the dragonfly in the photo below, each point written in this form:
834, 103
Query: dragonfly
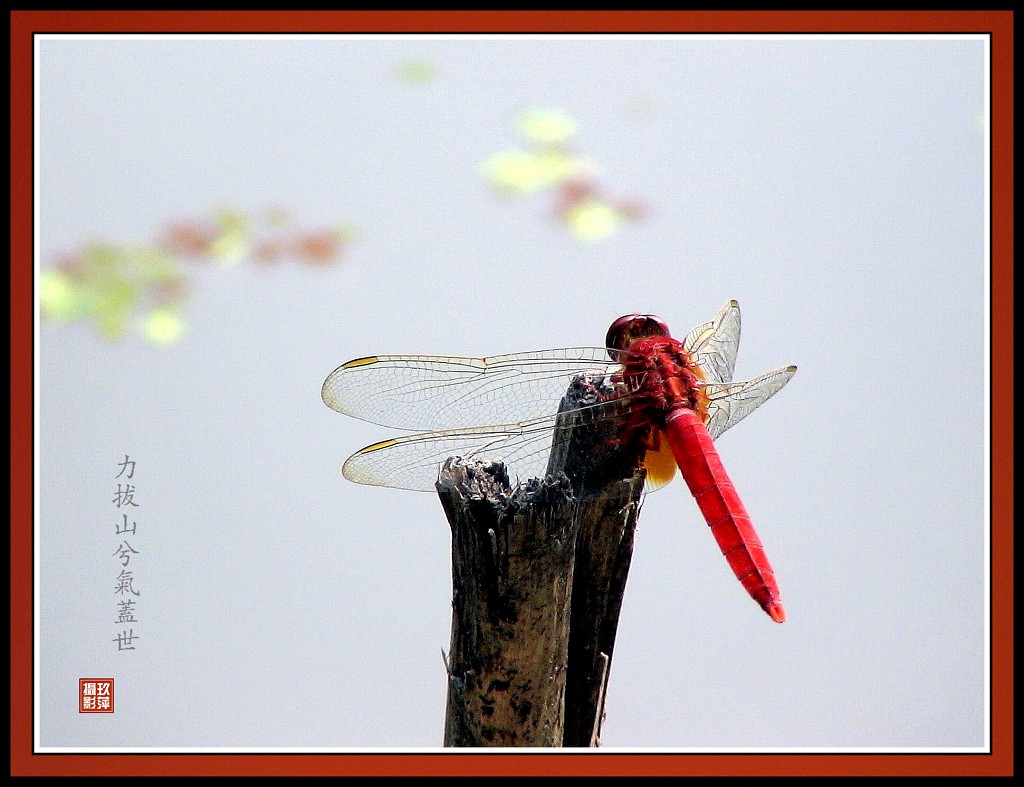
673, 396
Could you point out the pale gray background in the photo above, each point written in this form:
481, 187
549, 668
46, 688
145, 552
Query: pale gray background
834, 187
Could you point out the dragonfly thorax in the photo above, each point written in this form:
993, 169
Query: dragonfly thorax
663, 375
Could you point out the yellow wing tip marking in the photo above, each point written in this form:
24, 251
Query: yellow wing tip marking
360, 362
375, 447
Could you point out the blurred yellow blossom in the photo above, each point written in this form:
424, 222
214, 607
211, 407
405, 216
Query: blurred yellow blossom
163, 325
232, 246
551, 164
546, 125
517, 170
591, 220
57, 296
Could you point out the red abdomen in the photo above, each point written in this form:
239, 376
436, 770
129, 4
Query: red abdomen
700, 465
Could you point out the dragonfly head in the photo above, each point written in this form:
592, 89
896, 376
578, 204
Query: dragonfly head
628, 329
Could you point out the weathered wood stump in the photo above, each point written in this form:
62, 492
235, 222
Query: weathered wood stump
538, 574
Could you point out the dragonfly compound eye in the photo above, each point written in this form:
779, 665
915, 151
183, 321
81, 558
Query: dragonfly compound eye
628, 329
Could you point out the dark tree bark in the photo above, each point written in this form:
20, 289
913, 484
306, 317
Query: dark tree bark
539, 574
512, 559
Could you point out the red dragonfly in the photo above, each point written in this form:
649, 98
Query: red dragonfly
678, 397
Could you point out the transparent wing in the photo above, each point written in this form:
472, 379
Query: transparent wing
413, 461
439, 392
730, 403
714, 344
519, 395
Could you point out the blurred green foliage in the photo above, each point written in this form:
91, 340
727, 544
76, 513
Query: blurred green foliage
110, 285
417, 70
121, 288
548, 163
142, 288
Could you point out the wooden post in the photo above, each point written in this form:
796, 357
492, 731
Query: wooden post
512, 559
538, 578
